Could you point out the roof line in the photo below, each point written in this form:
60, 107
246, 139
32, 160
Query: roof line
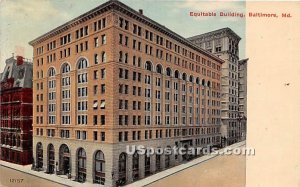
218, 30
132, 11
70, 22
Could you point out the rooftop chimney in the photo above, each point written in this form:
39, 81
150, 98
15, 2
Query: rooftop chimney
141, 11
20, 60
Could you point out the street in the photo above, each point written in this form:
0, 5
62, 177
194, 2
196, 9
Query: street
13, 178
225, 171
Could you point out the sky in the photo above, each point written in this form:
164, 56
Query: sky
24, 20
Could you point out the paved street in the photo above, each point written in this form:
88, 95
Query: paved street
225, 171
10, 178
206, 171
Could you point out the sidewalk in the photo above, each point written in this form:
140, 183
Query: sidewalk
161, 175
59, 179
64, 181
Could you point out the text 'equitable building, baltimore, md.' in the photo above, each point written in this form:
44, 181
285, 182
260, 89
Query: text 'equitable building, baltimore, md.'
113, 77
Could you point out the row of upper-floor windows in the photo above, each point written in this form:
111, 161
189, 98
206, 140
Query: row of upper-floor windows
125, 24
10, 124
14, 140
160, 40
124, 57
137, 91
148, 49
82, 119
39, 97
65, 68
82, 135
233, 99
83, 46
233, 115
137, 105
233, 67
124, 74
66, 107
10, 111
184, 119
83, 92
21, 96
136, 120
148, 134
82, 105
233, 92
67, 38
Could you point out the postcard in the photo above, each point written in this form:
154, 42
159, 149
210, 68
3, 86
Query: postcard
149, 93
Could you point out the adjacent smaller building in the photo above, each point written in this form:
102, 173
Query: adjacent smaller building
16, 111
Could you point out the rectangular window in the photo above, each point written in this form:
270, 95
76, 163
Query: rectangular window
120, 136
103, 73
96, 58
102, 88
103, 39
95, 89
95, 119
95, 135
121, 39
126, 136
96, 42
102, 119
84, 135
133, 135
102, 136
95, 74
77, 134
102, 104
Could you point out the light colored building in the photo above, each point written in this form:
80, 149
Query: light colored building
113, 77
224, 43
243, 66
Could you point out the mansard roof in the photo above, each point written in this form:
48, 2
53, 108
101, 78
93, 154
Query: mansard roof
18, 73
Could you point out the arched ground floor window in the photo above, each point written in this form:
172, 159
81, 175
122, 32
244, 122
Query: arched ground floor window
51, 158
81, 165
158, 167
39, 155
99, 168
147, 164
122, 169
64, 159
135, 166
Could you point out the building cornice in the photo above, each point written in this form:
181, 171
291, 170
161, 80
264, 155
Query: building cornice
216, 34
243, 61
76, 21
120, 7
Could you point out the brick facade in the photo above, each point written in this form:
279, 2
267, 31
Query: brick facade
16, 112
111, 78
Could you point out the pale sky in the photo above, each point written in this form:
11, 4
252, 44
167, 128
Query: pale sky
24, 20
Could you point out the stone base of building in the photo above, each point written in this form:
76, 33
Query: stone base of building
119, 167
